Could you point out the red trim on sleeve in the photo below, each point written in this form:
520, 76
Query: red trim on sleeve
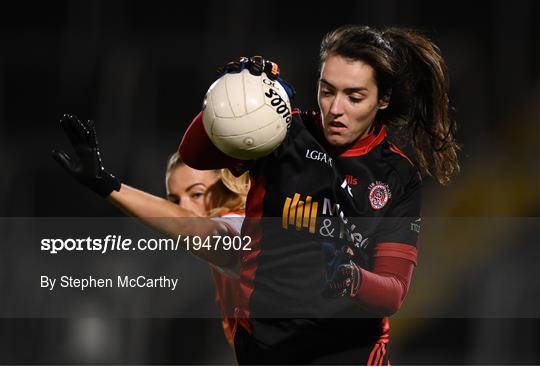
395, 249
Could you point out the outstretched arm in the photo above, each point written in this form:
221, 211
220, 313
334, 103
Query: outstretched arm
160, 214
173, 221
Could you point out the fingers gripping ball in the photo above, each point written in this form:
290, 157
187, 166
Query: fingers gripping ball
246, 116
256, 66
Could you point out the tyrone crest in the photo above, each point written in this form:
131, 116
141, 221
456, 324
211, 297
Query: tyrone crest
379, 194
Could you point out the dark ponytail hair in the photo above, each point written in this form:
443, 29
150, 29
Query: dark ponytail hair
410, 70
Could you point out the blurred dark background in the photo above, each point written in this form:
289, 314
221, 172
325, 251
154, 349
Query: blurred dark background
140, 70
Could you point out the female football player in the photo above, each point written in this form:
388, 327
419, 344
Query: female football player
217, 194
348, 217
187, 187
333, 233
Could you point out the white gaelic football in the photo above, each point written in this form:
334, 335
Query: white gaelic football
246, 116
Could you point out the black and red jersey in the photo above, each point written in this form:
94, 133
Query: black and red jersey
311, 208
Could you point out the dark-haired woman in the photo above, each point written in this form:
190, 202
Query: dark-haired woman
334, 212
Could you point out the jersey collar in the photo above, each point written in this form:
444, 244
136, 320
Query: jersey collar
366, 144
360, 147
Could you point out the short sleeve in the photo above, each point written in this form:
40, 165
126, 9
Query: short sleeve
233, 221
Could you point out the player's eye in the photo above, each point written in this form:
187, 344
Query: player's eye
197, 195
355, 99
326, 92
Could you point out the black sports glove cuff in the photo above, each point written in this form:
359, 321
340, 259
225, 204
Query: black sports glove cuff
102, 185
106, 184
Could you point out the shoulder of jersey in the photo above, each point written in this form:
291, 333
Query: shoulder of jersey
400, 162
304, 116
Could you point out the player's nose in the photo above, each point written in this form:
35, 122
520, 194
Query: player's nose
336, 108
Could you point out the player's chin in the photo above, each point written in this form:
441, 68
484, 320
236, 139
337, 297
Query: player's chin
337, 140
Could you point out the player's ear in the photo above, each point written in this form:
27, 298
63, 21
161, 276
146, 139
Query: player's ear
384, 102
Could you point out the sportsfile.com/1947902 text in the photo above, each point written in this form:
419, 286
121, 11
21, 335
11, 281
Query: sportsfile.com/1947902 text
112, 243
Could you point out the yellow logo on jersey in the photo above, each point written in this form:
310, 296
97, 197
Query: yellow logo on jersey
301, 214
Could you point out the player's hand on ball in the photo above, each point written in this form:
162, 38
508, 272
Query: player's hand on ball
344, 282
256, 66
86, 164
246, 114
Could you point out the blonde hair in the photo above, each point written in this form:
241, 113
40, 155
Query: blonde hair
174, 161
227, 195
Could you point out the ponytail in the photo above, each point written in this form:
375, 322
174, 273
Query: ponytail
420, 92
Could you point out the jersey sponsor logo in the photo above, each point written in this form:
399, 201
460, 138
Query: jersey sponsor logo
379, 194
351, 180
345, 186
348, 182
415, 226
346, 228
301, 214
319, 156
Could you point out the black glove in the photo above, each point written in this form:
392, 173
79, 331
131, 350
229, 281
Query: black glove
344, 282
86, 167
256, 66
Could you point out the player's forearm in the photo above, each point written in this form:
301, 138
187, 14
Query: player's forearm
159, 213
382, 291
173, 221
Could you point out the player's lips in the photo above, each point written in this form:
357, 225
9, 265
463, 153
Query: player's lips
336, 126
